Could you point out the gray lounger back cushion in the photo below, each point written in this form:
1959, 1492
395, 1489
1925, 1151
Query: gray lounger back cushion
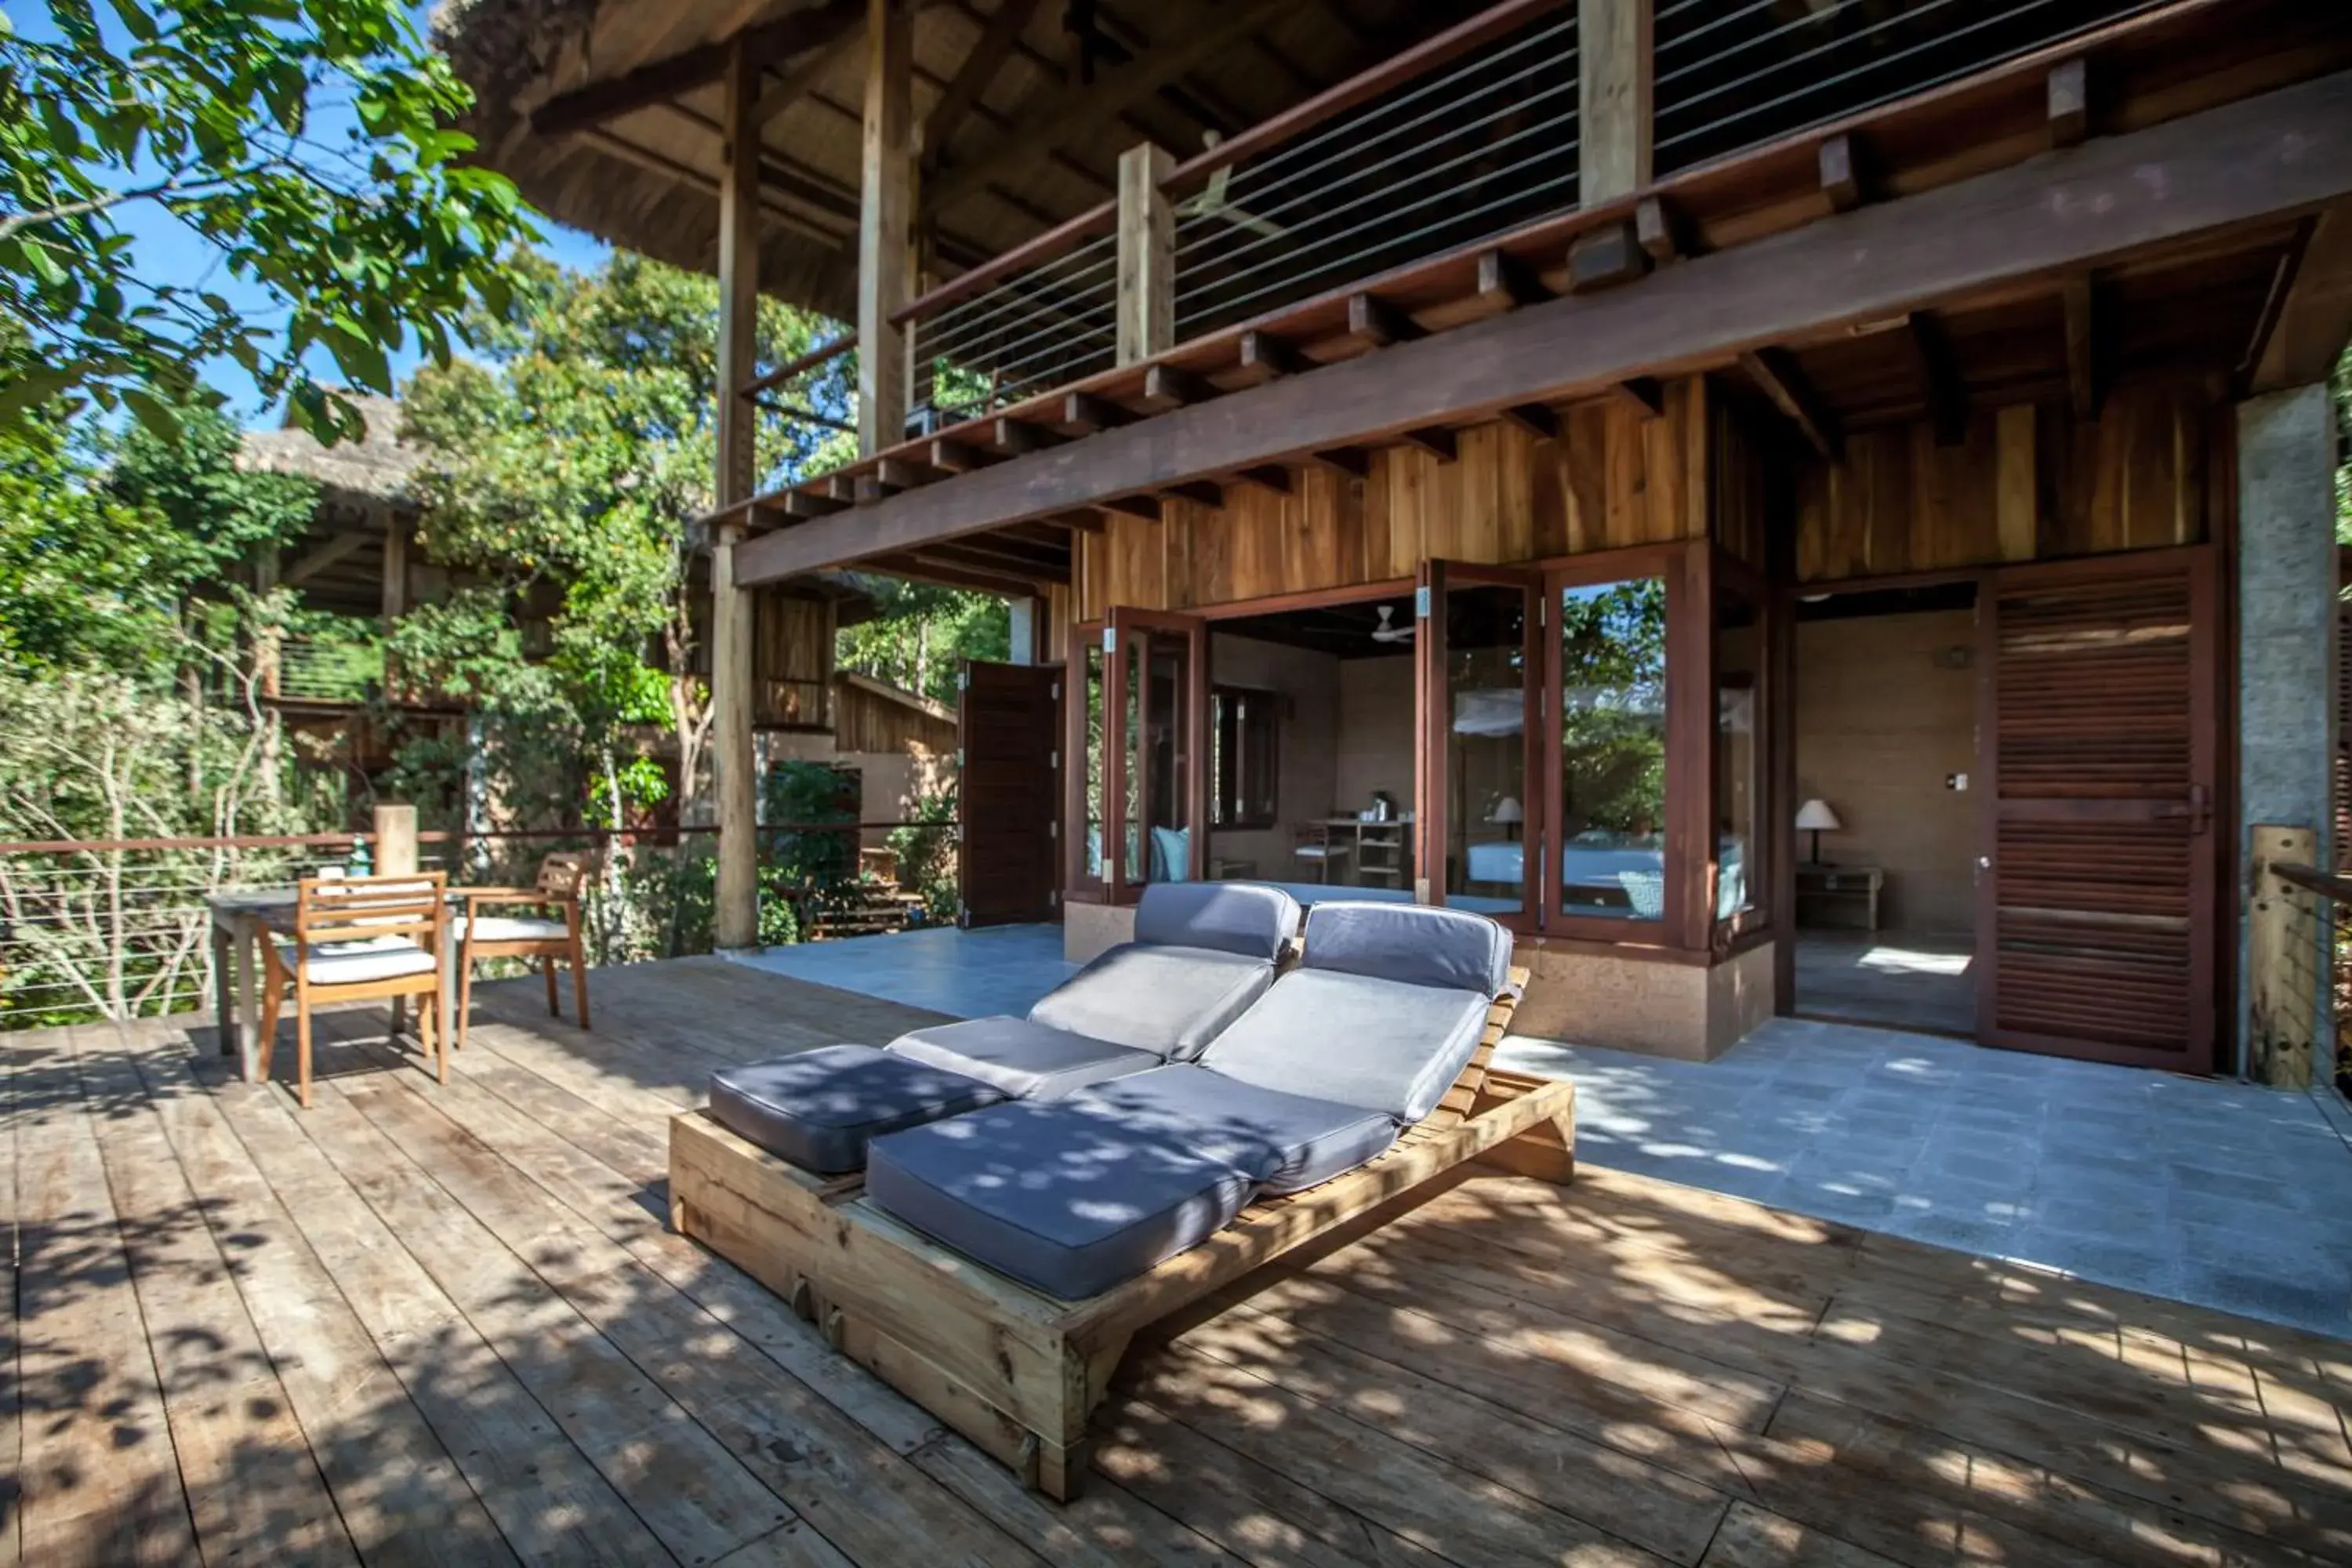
1379, 1045
1169, 1000
1250, 918
1450, 949
1202, 953
818, 1109
1312, 1141
1070, 1197
1028, 1062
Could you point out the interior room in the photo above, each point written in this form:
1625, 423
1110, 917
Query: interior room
1312, 749
1886, 810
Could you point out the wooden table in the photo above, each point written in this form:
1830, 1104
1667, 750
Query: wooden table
241, 923
1819, 884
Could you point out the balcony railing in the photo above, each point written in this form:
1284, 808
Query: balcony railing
338, 672
1471, 135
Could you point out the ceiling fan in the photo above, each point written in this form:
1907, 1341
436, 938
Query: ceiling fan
1387, 632
1212, 201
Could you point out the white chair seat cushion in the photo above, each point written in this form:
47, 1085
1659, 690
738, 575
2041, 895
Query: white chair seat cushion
355, 962
512, 928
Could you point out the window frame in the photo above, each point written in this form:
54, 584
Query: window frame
1256, 702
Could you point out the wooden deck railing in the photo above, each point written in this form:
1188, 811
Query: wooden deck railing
2298, 963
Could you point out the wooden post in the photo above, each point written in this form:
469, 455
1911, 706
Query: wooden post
1614, 138
886, 209
735, 915
2016, 482
395, 587
2287, 968
1147, 255
396, 839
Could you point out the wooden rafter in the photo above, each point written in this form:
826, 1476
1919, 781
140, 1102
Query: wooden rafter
1776, 373
1078, 110
340, 547
663, 79
980, 67
2284, 152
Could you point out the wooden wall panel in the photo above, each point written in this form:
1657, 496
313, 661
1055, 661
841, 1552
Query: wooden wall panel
2038, 487
1612, 478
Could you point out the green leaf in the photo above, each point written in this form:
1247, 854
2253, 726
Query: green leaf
153, 414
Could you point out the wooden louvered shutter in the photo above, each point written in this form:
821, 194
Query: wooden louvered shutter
2096, 910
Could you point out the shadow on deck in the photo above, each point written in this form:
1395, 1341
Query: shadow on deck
449, 1323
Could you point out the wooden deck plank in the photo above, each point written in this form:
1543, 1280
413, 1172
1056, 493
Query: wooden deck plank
549, 1502
253, 1483
378, 1454
471, 1282
100, 1481
864, 1498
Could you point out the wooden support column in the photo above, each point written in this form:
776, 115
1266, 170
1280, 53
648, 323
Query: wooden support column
885, 224
735, 916
1613, 139
2285, 962
394, 589
396, 839
1147, 255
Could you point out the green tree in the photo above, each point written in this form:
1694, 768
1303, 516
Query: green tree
220, 114
921, 635
568, 467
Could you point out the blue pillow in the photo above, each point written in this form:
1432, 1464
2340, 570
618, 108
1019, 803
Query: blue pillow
1171, 853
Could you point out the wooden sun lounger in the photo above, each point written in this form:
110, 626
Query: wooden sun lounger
1015, 1370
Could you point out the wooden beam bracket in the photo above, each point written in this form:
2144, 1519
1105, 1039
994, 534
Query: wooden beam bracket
1605, 256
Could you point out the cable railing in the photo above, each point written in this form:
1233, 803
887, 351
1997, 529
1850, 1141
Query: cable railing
319, 671
1731, 74
1485, 146
121, 928
1469, 136
2299, 969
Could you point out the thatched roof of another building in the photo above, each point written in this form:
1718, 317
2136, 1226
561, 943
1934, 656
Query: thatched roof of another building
375, 470
1038, 143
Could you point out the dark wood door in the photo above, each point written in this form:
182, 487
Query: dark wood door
1006, 799
2098, 858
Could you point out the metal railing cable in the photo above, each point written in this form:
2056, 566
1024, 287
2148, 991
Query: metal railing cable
1048, 324
1766, 79
1486, 144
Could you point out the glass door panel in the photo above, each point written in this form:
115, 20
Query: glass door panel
1159, 778
1739, 876
1611, 705
1481, 667
1089, 786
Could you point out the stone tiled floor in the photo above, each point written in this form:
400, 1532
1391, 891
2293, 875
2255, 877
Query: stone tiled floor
973, 975
2215, 1193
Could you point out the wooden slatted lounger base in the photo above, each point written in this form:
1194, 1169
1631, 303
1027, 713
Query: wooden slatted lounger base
1016, 1370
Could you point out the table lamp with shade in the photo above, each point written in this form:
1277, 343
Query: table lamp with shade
1507, 813
1816, 818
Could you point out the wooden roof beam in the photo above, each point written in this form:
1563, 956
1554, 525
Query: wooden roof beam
665, 79
1939, 375
980, 67
1776, 373
2084, 387
2311, 313
2254, 160
1642, 394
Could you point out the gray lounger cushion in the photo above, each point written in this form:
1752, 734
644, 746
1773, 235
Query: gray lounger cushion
1310, 1140
818, 1109
1379, 1045
1250, 918
1450, 949
1028, 1062
1169, 1000
1071, 1197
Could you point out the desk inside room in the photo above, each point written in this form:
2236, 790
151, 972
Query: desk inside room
1847, 895
1378, 850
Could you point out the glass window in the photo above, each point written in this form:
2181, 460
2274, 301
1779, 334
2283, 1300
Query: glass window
1242, 730
1612, 745
1163, 848
1091, 685
1738, 753
1486, 680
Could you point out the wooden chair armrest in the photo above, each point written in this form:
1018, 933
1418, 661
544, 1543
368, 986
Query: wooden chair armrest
506, 895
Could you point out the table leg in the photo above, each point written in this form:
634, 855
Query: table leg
224, 987
249, 994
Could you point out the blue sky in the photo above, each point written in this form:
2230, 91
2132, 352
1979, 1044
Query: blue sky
164, 248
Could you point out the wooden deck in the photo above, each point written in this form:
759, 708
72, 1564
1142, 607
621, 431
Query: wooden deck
448, 1325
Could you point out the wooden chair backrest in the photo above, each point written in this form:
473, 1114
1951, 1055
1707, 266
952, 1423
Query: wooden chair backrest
361, 909
565, 873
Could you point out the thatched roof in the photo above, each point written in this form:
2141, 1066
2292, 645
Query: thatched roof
1037, 146
376, 469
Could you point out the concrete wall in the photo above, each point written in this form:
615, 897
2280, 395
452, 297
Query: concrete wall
1691, 1012
1375, 731
1307, 754
2286, 625
1882, 717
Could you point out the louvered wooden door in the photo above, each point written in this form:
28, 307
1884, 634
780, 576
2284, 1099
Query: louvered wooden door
1009, 715
2096, 899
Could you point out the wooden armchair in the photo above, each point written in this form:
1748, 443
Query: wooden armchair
358, 939
544, 925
